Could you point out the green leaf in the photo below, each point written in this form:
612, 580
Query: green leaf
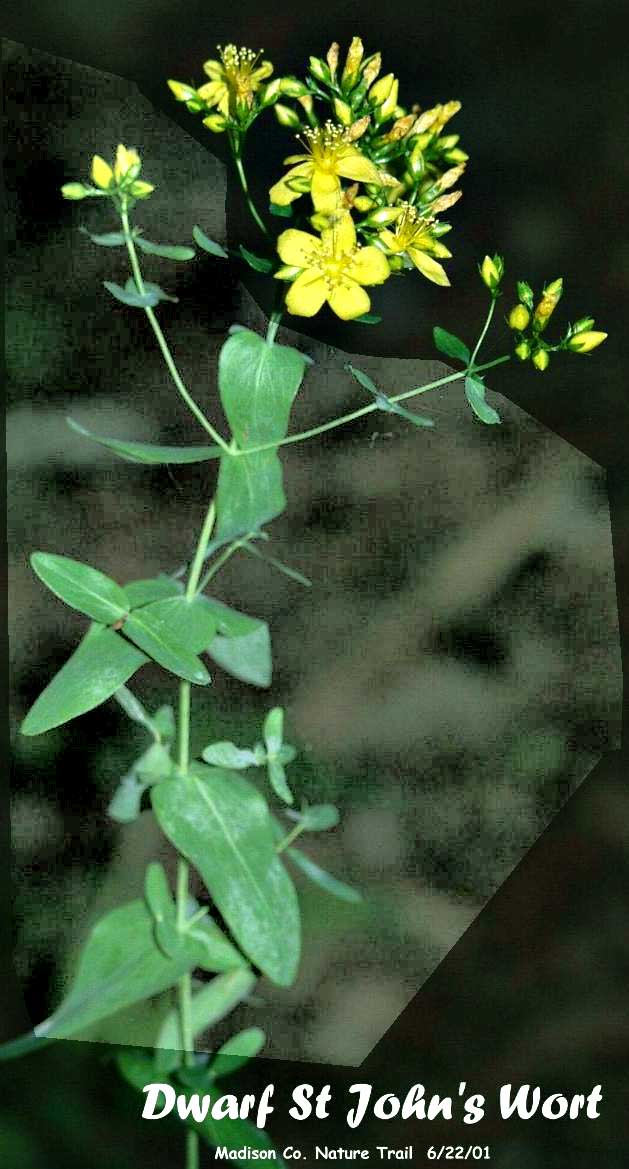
450, 345
258, 383
124, 806
121, 964
134, 709
273, 730
131, 297
247, 658
149, 452
525, 294
214, 951
258, 263
221, 824
103, 662
292, 573
164, 720
167, 251
154, 764
189, 623
208, 245
158, 588
82, 587
363, 379
250, 492
368, 319
317, 818
384, 403
229, 621
237, 1051
229, 755
282, 212
324, 880
475, 394
277, 779
165, 632
108, 239
209, 1005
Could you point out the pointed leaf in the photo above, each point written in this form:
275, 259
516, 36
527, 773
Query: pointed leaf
277, 779
82, 587
228, 755
273, 730
144, 592
149, 628
168, 251
475, 394
258, 263
384, 403
208, 245
368, 319
324, 880
258, 383
450, 345
131, 297
209, 1005
107, 239
250, 492
148, 452
164, 721
103, 662
317, 818
214, 952
283, 212
221, 824
124, 806
237, 1051
154, 764
134, 709
247, 658
229, 622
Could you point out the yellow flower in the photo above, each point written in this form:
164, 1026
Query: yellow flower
333, 268
235, 79
126, 161
413, 236
102, 174
331, 157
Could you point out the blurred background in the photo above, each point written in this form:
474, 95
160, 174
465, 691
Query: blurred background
454, 672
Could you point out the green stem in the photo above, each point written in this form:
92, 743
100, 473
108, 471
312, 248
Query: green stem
199, 556
365, 410
235, 141
288, 840
483, 334
162, 342
219, 562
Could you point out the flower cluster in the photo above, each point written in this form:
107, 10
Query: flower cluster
529, 321
234, 95
120, 181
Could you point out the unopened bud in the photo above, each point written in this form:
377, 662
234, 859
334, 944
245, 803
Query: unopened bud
491, 271
525, 294
287, 117
417, 162
292, 87
450, 178
332, 58
352, 63
547, 305
363, 203
271, 92
383, 216
389, 107
181, 91
320, 221
582, 326
74, 191
306, 102
425, 121
444, 202
141, 190
287, 272
381, 90
541, 359
217, 123
127, 164
299, 184
102, 174
342, 111
371, 69
396, 263
358, 128
523, 351
587, 341
519, 318
319, 69
456, 156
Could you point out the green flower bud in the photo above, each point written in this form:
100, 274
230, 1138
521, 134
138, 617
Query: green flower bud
140, 189
74, 191
523, 350
181, 91
383, 216
525, 294
271, 92
343, 112
541, 359
587, 341
581, 326
319, 69
287, 117
491, 271
217, 123
519, 318
291, 87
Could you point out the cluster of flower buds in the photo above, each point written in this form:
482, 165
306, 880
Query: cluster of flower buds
529, 321
236, 92
120, 181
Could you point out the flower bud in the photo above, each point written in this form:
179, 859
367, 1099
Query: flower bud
358, 128
74, 191
352, 63
450, 178
444, 202
217, 123
523, 350
491, 271
319, 69
287, 117
320, 221
416, 161
525, 294
541, 359
371, 69
587, 341
102, 173
299, 184
271, 92
425, 121
332, 58
306, 102
547, 305
389, 107
396, 263
382, 216
343, 112
363, 203
456, 156
127, 164
292, 87
141, 190
181, 91
519, 318
582, 326
287, 272
381, 90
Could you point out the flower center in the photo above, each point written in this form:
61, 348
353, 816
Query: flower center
239, 65
325, 144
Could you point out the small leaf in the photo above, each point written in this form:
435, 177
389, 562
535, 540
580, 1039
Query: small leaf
109, 239
167, 251
221, 824
283, 212
237, 1051
82, 587
228, 755
273, 730
525, 294
124, 806
363, 378
150, 289
158, 588
368, 319
450, 345
154, 764
208, 245
103, 662
475, 394
317, 818
209, 1005
324, 880
134, 709
229, 621
247, 658
258, 263
148, 452
151, 633
384, 403
133, 299
158, 895
164, 722
277, 779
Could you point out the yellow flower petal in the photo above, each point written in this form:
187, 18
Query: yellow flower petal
102, 173
325, 190
348, 300
354, 165
341, 235
262, 72
391, 241
307, 295
297, 158
369, 266
214, 69
298, 247
429, 267
282, 194
125, 159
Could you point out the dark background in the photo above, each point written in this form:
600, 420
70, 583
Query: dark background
536, 989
